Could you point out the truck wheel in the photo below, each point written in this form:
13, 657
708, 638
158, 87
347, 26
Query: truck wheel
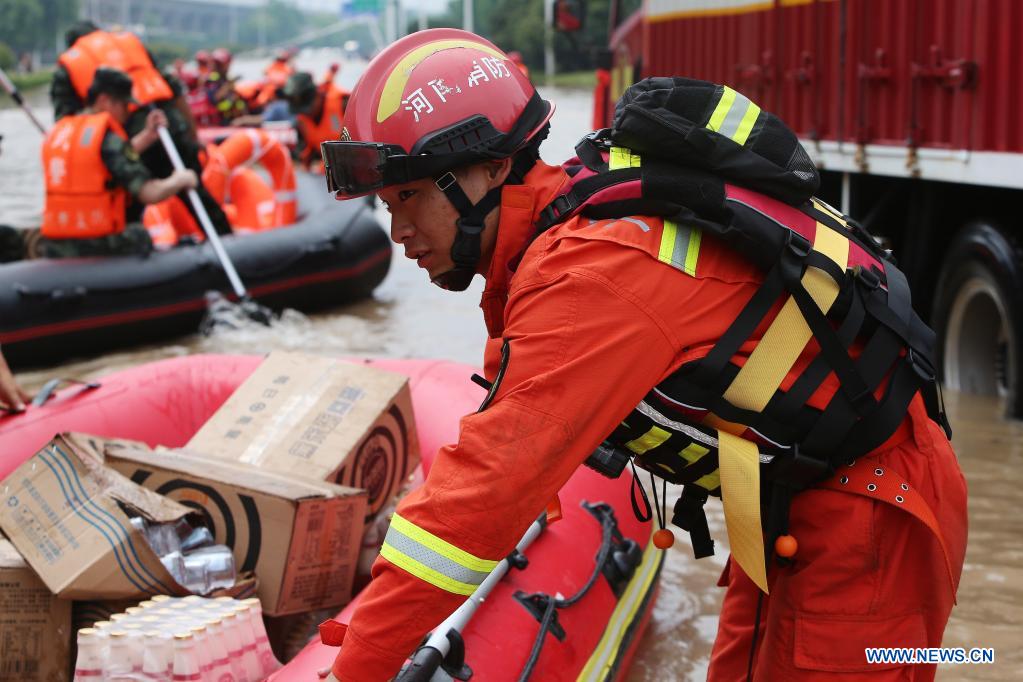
978, 314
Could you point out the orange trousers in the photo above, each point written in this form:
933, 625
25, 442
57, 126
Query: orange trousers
866, 574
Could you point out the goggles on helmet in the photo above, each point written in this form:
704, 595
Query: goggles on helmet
354, 169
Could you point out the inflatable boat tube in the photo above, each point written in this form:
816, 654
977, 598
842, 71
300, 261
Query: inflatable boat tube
166, 402
52, 310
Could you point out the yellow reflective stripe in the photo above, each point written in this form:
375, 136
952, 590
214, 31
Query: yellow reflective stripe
721, 110
442, 547
825, 208
649, 440
788, 334
680, 247
426, 573
746, 125
602, 663
693, 452
667, 242
710, 481
739, 467
693, 252
621, 157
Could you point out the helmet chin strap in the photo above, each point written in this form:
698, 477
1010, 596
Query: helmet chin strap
465, 251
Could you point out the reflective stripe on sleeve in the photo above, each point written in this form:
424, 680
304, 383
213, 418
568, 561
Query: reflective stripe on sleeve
734, 116
432, 559
680, 247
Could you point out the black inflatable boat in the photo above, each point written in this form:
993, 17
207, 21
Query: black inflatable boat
51, 310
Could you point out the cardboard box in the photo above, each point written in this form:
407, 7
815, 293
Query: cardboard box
35, 626
322, 418
67, 515
301, 537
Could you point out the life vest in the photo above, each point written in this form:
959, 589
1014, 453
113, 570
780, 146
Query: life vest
122, 51
202, 108
80, 201
253, 200
244, 148
709, 161
328, 127
169, 220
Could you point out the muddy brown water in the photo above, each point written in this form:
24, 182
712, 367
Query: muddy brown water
407, 317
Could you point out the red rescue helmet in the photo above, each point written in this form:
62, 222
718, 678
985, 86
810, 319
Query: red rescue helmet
202, 57
222, 56
430, 103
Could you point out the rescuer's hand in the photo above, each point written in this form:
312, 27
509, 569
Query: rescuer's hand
149, 133
11, 395
184, 179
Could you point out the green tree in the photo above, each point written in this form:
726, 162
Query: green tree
6, 56
20, 22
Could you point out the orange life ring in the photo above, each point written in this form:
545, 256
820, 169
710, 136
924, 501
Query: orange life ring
253, 202
245, 148
169, 220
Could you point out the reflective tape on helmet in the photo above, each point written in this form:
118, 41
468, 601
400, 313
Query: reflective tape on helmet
734, 116
432, 559
680, 247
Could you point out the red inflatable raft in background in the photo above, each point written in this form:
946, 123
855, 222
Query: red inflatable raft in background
164, 403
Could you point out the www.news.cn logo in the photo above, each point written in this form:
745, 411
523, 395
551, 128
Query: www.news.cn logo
915, 656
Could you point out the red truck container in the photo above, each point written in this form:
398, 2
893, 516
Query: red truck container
912, 110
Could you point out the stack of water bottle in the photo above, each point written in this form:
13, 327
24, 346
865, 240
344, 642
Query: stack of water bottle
170, 640
189, 555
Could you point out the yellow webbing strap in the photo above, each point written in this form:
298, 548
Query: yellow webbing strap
788, 334
739, 466
752, 388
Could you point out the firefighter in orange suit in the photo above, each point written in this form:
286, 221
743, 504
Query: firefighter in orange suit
584, 320
319, 112
95, 182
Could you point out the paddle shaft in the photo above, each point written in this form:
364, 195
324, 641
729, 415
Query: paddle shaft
204, 218
430, 655
16, 96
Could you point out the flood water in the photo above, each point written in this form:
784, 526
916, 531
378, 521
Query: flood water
408, 317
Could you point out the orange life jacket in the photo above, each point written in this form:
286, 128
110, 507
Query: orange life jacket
243, 148
80, 204
169, 220
329, 125
123, 51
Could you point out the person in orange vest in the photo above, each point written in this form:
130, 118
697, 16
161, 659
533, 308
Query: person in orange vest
618, 334
319, 113
516, 58
95, 182
90, 48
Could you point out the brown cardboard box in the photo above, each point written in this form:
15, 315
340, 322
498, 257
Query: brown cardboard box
320, 418
35, 626
65, 513
300, 536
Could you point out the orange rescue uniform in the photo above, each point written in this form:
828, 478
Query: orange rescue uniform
122, 51
328, 127
594, 319
80, 203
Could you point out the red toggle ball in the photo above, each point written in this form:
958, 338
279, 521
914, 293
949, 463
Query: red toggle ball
664, 538
786, 546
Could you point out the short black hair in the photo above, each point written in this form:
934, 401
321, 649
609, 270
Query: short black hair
77, 30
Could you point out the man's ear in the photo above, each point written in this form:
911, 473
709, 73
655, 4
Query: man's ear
497, 172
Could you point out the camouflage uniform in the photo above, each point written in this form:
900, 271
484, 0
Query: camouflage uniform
128, 171
66, 101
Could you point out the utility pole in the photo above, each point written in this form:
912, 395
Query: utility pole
467, 15
548, 42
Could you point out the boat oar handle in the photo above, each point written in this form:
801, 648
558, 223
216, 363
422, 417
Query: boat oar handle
12, 90
204, 218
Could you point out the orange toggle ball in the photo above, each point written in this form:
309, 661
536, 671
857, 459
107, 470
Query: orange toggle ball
664, 538
786, 546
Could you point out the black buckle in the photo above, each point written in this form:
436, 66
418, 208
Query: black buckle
536, 604
445, 181
923, 368
799, 471
798, 244
867, 277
